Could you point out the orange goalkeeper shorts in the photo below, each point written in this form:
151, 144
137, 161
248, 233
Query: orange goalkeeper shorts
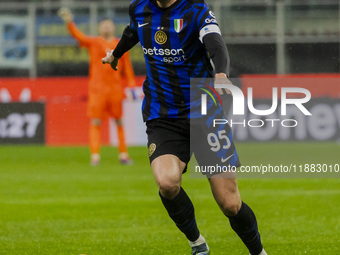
105, 104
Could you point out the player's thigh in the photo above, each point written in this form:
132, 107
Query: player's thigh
169, 150
169, 137
115, 108
213, 147
226, 194
96, 105
167, 170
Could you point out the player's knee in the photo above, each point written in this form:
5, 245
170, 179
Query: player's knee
230, 207
119, 122
96, 122
168, 188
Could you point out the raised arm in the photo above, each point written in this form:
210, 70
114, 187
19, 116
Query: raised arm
67, 17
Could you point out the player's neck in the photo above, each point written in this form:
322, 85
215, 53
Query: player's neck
165, 4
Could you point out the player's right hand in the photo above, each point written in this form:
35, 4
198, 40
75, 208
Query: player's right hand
221, 78
65, 14
110, 59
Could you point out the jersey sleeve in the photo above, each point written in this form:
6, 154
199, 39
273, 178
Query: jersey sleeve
132, 16
127, 72
83, 39
218, 52
129, 38
207, 23
133, 26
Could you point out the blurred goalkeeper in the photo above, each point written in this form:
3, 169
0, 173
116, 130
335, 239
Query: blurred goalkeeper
106, 89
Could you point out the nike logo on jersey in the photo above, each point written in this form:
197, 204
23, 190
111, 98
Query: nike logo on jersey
226, 159
142, 25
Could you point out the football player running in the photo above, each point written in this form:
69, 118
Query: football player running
176, 36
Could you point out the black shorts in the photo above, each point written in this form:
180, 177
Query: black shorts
172, 136
169, 136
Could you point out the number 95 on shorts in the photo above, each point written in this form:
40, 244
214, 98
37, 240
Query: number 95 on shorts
213, 147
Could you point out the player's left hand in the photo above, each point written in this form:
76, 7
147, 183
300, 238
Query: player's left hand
221, 78
130, 94
110, 59
65, 14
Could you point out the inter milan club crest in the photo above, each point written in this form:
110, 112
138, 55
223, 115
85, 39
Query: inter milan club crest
178, 25
152, 149
161, 36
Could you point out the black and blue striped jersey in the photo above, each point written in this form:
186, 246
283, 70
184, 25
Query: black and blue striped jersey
172, 42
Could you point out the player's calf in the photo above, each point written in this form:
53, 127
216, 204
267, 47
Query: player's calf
181, 211
244, 223
242, 219
168, 170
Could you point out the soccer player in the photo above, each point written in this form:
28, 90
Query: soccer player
176, 36
106, 89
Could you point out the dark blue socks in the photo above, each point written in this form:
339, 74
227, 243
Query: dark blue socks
181, 211
245, 225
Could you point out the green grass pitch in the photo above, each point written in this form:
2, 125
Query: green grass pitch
53, 202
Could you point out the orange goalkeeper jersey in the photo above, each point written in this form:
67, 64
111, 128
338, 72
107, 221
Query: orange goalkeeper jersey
102, 77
